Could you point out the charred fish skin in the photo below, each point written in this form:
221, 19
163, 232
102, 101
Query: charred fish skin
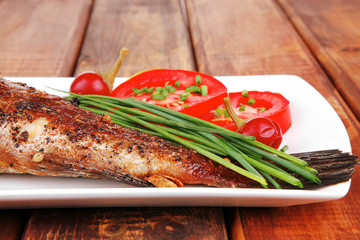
46, 135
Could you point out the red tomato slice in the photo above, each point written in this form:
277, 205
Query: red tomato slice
195, 104
267, 105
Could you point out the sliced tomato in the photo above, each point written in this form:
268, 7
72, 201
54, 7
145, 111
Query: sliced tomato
264, 104
195, 104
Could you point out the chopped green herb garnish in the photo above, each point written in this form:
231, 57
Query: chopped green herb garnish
186, 106
192, 88
138, 91
284, 148
184, 96
244, 93
157, 92
149, 90
159, 88
165, 92
204, 90
158, 97
172, 90
251, 101
177, 83
226, 114
242, 108
219, 111
263, 109
168, 87
198, 79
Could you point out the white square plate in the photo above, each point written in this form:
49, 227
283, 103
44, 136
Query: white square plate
315, 126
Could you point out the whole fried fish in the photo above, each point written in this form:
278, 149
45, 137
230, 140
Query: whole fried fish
46, 135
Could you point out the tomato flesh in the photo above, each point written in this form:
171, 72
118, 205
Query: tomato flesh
89, 83
194, 105
267, 105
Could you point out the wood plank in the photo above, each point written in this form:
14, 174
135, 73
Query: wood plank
331, 30
247, 37
127, 223
12, 223
155, 33
40, 37
330, 220
157, 36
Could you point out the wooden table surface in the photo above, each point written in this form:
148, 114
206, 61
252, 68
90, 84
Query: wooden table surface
316, 40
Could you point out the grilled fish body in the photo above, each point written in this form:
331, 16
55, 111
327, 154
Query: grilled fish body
46, 135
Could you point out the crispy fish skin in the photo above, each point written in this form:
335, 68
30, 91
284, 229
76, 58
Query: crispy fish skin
46, 135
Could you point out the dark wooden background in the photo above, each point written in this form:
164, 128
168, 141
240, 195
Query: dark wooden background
316, 40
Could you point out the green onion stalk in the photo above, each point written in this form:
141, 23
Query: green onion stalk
212, 141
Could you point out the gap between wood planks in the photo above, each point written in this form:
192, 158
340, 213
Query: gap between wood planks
186, 20
83, 39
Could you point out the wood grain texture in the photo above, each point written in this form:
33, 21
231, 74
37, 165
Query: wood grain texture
127, 223
154, 31
38, 38
248, 37
12, 223
41, 37
331, 30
